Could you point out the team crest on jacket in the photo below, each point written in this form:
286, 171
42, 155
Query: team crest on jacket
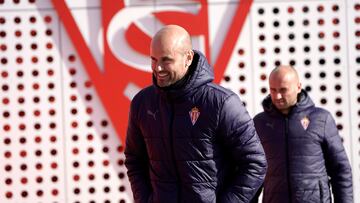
305, 122
194, 115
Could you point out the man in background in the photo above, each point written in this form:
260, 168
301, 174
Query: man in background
304, 151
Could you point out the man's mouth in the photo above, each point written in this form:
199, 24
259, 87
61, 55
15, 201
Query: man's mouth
162, 76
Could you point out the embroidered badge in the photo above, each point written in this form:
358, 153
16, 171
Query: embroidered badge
305, 122
194, 115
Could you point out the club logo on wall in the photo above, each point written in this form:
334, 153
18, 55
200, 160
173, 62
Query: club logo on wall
127, 35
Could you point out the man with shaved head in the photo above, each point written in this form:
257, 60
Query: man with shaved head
188, 139
306, 159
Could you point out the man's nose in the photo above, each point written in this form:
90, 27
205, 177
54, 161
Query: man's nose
158, 68
278, 95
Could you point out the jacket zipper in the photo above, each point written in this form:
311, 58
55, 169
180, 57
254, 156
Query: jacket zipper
287, 158
178, 183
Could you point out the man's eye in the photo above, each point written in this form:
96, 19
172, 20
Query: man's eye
166, 63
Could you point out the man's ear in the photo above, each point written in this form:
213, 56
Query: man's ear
189, 57
299, 87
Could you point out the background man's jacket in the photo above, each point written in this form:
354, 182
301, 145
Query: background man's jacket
303, 151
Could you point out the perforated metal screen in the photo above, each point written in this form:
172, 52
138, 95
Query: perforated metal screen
57, 143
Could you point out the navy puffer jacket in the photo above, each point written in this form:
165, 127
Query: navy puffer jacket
193, 144
305, 155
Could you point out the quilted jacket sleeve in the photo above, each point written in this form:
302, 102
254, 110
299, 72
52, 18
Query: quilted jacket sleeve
337, 163
245, 149
136, 160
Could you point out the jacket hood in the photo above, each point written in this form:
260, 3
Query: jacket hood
303, 102
200, 73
